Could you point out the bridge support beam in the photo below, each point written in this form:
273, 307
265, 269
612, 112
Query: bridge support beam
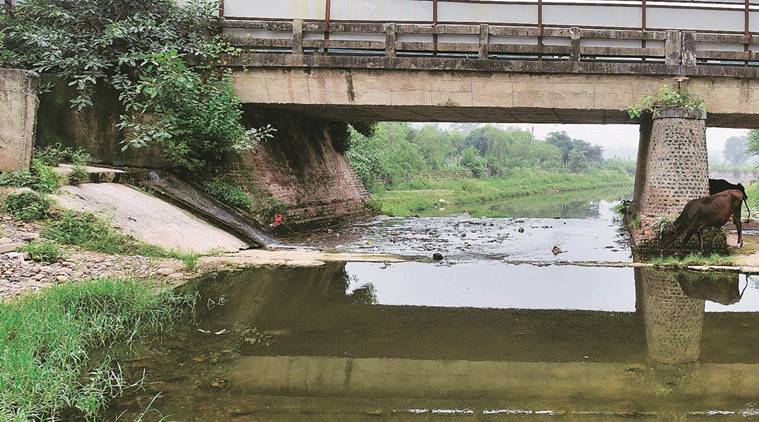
672, 169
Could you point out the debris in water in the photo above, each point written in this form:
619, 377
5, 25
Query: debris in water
437, 256
520, 230
556, 250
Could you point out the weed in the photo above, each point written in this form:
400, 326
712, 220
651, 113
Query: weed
45, 251
86, 231
228, 193
56, 154
40, 177
59, 344
78, 175
668, 96
694, 259
27, 205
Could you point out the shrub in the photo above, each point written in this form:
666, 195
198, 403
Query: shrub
27, 205
58, 345
41, 178
228, 193
56, 154
86, 231
45, 251
78, 175
668, 96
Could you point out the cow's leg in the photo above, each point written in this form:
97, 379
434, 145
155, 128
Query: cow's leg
688, 235
739, 227
701, 240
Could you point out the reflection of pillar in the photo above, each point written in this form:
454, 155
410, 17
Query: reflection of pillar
674, 321
672, 166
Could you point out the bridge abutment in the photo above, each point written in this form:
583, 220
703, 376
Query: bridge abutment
672, 169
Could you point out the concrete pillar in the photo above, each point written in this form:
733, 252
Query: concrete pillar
672, 168
18, 109
674, 322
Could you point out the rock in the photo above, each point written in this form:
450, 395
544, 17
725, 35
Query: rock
437, 256
165, 271
29, 236
556, 250
4, 240
10, 247
176, 275
520, 230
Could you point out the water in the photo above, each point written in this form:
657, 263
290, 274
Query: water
475, 341
595, 235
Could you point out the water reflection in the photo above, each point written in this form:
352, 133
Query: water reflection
355, 341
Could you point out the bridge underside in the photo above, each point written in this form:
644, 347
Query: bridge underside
348, 88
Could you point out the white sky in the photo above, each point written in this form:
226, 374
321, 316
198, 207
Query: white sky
622, 140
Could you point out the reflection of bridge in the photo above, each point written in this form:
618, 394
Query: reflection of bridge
569, 62
334, 347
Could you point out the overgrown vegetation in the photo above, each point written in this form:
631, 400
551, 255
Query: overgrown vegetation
45, 251
144, 50
693, 259
57, 347
228, 193
40, 177
668, 96
27, 205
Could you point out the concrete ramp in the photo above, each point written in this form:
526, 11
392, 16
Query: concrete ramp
148, 218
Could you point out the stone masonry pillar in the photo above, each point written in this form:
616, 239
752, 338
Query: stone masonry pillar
674, 168
18, 102
674, 322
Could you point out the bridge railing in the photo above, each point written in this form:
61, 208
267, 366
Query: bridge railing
485, 41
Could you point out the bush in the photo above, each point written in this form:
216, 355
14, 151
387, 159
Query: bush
78, 175
56, 154
86, 231
228, 193
58, 345
27, 205
668, 96
41, 178
45, 251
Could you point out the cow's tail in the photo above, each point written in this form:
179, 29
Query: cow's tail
747, 208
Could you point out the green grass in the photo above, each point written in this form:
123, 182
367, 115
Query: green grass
88, 232
58, 346
228, 193
45, 251
693, 259
40, 177
27, 205
78, 175
426, 194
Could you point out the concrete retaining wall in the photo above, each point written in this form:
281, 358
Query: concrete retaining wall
18, 102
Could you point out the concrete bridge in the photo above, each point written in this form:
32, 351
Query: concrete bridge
488, 61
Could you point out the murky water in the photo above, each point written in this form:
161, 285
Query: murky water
475, 341
595, 235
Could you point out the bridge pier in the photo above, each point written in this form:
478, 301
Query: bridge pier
672, 169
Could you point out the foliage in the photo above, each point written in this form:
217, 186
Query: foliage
45, 251
195, 118
40, 177
272, 208
397, 153
693, 259
58, 345
143, 50
27, 205
736, 152
56, 154
78, 175
753, 142
6, 56
228, 193
668, 96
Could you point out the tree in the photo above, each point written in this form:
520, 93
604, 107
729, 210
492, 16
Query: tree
736, 150
563, 142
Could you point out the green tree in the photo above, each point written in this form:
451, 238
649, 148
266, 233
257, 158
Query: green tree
143, 49
736, 150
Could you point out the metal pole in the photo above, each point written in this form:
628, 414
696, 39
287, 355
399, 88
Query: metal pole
327, 17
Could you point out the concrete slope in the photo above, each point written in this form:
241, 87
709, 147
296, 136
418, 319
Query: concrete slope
188, 197
148, 218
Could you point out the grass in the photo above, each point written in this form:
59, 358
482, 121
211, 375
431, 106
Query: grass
90, 233
27, 205
57, 347
78, 175
45, 251
426, 194
41, 178
228, 193
693, 259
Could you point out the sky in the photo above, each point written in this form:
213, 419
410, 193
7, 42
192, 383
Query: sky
622, 140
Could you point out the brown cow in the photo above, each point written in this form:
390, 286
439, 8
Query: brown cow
709, 211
